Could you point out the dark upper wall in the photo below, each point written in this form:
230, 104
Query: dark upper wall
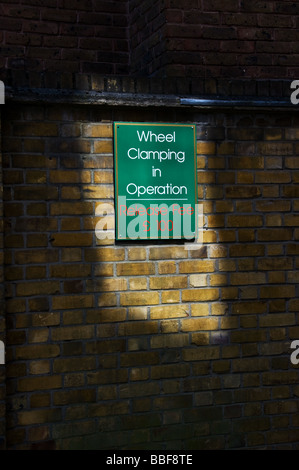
217, 38
78, 36
157, 38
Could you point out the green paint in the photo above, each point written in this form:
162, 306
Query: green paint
155, 180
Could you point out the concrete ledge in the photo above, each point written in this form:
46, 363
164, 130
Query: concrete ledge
101, 98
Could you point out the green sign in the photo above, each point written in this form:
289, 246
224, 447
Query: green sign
155, 181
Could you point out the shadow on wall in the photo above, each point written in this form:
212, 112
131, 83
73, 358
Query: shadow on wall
127, 346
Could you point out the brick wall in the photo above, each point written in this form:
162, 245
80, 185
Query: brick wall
163, 38
113, 346
215, 38
147, 38
72, 36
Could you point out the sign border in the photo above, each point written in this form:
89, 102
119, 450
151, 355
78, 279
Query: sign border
156, 124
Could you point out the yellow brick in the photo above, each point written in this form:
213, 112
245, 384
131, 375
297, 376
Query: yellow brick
136, 254
37, 288
226, 148
170, 326
170, 297
169, 371
36, 177
199, 324
213, 192
70, 224
215, 163
201, 162
135, 269
103, 270
72, 332
206, 177
103, 146
138, 328
137, 313
219, 309
206, 148
169, 341
229, 323
245, 221
138, 283
39, 367
72, 302
169, 311
280, 291
200, 338
139, 298
173, 252
106, 285
34, 161
224, 206
196, 266
104, 162
39, 383
217, 251
218, 279
37, 351
216, 221
99, 191
72, 208
45, 319
247, 278
71, 255
229, 293
250, 308
245, 177
107, 300
67, 176
98, 130
103, 177
35, 272
198, 280
70, 192
201, 354
139, 374
72, 239
34, 145
106, 315
209, 236
168, 282
200, 295
167, 267
200, 310
39, 129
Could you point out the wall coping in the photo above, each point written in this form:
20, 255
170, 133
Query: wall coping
92, 89
52, 96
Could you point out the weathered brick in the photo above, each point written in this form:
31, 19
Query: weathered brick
169, 311
105, 331
72, 302
196, 266
135, 269
169, 282
198, 295
139, 298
